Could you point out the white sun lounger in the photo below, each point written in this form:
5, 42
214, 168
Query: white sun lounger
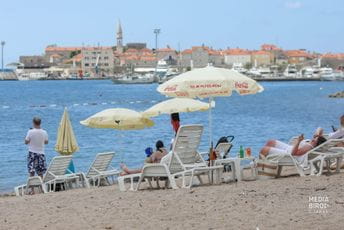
56, 173
184, 161
32, 182
324, 152
101, 169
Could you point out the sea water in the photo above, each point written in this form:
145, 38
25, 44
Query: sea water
283, 110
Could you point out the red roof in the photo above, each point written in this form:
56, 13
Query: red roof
97, 48
187, 51
167, 49
333, 55
297, 53
260, 52
269, 47
237, 51
60, 48
77, 57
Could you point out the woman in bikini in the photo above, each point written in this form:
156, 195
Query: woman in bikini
155, 157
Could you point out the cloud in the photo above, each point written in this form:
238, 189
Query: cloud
293, 5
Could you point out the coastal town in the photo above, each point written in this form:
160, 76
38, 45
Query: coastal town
171, 115
134, 62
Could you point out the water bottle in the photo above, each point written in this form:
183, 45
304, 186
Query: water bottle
241, 152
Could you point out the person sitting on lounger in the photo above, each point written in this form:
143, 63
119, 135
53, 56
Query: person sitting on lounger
297, 150
338, 133
154, 157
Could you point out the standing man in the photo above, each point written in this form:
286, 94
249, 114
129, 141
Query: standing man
36, 138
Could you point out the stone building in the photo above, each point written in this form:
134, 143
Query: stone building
166, 53
34, 62
297, 57
200, 56
138, 58
277, 54
261, 58
333, 60
98, 60
57, 54
136, 45
232, 56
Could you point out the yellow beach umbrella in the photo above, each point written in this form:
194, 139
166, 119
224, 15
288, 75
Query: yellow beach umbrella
176, 105
118, 118
66, 142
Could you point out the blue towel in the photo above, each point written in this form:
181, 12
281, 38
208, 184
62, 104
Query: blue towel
71, 168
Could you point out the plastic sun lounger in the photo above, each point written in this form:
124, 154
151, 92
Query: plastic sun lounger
56, 173
184, 161
101, 168
325, 152
32, 182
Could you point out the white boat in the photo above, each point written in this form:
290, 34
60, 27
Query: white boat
7, 75
310, 72
265, 72
307, 72
31, 76
290, 71
326, 74
239, 68
134, 78
316, 71
164, 72
253, 72
338, 75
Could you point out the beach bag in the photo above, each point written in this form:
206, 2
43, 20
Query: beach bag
267, 169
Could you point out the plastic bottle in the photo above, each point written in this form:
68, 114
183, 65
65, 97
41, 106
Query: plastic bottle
241, 152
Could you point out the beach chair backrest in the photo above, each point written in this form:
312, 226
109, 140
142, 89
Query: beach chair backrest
223, 149
185, 147
324, 148
57, 167
100, 164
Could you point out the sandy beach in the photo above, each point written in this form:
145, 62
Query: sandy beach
270, 204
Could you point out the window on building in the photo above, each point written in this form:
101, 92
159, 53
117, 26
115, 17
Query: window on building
106, 58
86, 64
106, 64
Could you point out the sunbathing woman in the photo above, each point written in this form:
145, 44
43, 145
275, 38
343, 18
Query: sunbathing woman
297, 150
154, 157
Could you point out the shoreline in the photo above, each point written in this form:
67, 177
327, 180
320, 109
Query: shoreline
280, 79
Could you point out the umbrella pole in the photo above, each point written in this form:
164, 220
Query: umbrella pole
210, 123
211, 151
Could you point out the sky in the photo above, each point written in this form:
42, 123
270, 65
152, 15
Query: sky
28, 27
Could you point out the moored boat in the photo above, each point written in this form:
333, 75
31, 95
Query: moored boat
134, 79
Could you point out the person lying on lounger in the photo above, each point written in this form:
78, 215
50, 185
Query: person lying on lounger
298, 149
152, 157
